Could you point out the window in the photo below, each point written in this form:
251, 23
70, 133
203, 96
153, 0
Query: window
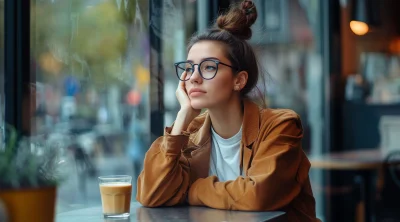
95, 65
92, 62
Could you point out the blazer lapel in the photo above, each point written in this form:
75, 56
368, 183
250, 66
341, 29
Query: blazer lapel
200, 156
251, 128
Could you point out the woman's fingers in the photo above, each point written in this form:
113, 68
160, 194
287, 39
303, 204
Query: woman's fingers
182, 83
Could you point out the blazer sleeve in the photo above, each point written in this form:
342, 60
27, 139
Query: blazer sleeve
273, 179
164, 180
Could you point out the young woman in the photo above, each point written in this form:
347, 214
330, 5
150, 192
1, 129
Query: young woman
236, 155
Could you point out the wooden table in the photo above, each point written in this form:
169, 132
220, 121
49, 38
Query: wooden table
350, 160
185, 213
365, 162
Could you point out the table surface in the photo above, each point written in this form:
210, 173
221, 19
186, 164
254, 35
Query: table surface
367, 161
184, 213
350, 160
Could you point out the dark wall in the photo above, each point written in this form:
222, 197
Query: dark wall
361, 124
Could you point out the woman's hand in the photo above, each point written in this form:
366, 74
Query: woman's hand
187, 113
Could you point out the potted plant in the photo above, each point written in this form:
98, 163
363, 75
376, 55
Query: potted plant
30, 173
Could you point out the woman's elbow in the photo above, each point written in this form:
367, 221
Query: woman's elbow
271, 201
148, 202
267, 201
158, 201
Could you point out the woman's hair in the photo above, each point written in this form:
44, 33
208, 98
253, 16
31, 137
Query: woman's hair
233, 29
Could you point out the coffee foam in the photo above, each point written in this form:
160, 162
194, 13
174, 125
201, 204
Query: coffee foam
115, 184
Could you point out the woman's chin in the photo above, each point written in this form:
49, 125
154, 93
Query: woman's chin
197, 104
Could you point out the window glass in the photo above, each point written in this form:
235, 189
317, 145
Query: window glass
92, 75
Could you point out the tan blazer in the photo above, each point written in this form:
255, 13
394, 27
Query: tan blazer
275, 167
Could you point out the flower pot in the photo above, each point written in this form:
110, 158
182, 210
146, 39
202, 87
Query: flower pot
36, 204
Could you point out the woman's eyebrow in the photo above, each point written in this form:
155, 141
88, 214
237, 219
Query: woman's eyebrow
215, 58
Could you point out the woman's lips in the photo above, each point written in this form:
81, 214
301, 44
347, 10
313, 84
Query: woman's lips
196, 92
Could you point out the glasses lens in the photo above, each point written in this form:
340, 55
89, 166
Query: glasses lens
184, 70
208, 69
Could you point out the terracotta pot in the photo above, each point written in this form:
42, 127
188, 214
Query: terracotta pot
30, 204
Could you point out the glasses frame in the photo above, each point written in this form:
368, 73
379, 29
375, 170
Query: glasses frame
217, 62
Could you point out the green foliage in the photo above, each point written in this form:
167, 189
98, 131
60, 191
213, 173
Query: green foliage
30, 162
89, 41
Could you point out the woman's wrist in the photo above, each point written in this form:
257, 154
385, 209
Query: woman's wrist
182, 121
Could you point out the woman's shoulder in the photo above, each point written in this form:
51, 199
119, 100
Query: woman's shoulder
279, 119
278, 115
280, 122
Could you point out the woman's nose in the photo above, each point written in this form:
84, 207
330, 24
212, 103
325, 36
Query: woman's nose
196, 77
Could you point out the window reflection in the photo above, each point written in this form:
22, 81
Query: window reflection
92, 71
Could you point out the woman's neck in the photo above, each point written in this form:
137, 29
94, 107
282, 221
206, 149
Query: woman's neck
227, 119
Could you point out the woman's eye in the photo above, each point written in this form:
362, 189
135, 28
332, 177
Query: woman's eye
210, 68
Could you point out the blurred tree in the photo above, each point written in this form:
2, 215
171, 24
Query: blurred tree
88, 40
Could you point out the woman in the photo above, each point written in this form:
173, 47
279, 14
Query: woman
235, 155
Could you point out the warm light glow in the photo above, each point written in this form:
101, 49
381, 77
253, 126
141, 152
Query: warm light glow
359, 28
394, 46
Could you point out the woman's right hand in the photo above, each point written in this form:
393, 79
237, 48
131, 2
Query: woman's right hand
187, 113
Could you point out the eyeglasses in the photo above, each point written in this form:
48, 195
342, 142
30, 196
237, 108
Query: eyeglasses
207, 68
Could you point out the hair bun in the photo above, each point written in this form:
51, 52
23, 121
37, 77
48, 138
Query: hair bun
239, 19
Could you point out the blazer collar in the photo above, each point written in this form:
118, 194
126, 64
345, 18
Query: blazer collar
251, 122
251, 125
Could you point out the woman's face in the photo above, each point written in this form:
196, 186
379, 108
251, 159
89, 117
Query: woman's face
214, 92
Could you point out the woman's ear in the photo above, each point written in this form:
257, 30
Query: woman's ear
240, 80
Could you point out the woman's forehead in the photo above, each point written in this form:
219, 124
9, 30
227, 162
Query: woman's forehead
207, 49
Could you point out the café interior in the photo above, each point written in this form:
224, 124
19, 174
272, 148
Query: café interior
98, 77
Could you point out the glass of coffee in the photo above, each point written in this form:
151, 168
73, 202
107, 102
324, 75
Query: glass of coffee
116, 194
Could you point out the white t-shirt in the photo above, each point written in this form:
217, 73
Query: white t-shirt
225, 156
